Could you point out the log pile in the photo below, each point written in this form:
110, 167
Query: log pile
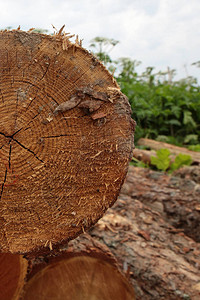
66, 139
139, 238
83, 269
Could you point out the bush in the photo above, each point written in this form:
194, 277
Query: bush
164, 109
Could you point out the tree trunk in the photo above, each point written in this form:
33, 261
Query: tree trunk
85, 270
66, 137
13, 270
155, 145
162, 261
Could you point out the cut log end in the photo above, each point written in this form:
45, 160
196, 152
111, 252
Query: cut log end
78, 278
66, 137
13, 269
85, 270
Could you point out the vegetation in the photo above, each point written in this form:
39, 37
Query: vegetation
164, 109
162, 160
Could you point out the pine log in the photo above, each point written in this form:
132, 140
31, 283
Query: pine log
155, 145
66, 137
83, 270
13, 270
162, 261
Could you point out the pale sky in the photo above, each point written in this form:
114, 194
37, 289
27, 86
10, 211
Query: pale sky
159, 33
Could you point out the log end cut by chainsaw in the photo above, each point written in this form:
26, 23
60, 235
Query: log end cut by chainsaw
66, 137
85, 271
13, 269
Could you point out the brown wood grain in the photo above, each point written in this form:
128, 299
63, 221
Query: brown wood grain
62, 161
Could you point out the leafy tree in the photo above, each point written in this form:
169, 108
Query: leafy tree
163, 108
102, 47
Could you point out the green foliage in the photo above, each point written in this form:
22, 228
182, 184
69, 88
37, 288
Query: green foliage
162, 159
162, 107
7, 28
194, 147
191, 138
168, 139
38, 30
181, 160
101, 47
137, 163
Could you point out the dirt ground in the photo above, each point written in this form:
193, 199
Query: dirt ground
154, 232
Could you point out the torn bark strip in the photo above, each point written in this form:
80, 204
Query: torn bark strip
85, 97
72, 103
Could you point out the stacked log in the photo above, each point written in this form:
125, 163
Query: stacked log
84, 269
66, 138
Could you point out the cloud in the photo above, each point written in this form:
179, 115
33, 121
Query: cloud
168, 36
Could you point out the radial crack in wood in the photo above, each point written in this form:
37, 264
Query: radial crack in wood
59, 172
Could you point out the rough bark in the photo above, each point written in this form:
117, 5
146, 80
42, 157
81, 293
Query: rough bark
163, 262
155, 145
176, 196
13, 270
140, 237
66, 136
84, 270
